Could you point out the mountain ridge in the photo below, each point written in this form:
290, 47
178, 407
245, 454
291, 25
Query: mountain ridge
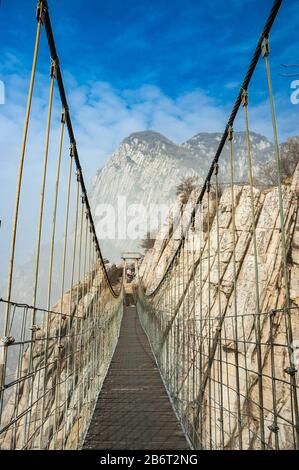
147, 167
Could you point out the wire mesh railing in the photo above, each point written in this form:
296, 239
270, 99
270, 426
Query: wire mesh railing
223, 318
52, 381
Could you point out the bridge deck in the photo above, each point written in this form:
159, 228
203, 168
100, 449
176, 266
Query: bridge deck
133, 410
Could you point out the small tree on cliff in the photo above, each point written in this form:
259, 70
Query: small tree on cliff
289, 157
148, 242
185, 188
115, 274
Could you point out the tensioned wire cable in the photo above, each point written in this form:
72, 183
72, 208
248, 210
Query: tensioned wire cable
247, 79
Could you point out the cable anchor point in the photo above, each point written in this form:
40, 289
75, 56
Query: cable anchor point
72, 149
273, 428
63, 116
290, 371
42, 8
244, 98
7, 340
35, 328
265, 47
53, 68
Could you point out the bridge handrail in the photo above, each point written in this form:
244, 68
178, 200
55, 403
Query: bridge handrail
43, 6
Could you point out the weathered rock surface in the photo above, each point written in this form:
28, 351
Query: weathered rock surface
198, 301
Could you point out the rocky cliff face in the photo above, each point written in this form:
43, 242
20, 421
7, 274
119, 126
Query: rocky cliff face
209, 309
147, 168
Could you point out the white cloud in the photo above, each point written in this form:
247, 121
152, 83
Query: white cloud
231, 85
102, 117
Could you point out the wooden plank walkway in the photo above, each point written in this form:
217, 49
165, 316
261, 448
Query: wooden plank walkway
133, 410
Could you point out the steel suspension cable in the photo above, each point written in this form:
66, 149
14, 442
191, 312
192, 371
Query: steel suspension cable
55, 210
220, 419
21, 167
39, 235
3, 358
265, 50
235, 301
257, 323
248, 76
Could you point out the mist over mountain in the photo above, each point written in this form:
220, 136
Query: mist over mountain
143, 172
147, 168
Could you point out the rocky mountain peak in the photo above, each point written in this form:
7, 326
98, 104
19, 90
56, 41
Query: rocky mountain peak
204, 141
148, 137
147, 168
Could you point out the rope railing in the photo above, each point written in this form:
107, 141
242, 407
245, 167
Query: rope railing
221, 319
53, 360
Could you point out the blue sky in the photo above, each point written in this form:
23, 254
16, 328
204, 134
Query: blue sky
180, 58
177, 45
173, 66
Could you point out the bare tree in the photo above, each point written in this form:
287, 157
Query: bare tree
289, 152
289, 157
148, 242
267, 175
185, 188
115, 274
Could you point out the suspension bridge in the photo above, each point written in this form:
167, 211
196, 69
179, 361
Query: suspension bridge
203, 357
